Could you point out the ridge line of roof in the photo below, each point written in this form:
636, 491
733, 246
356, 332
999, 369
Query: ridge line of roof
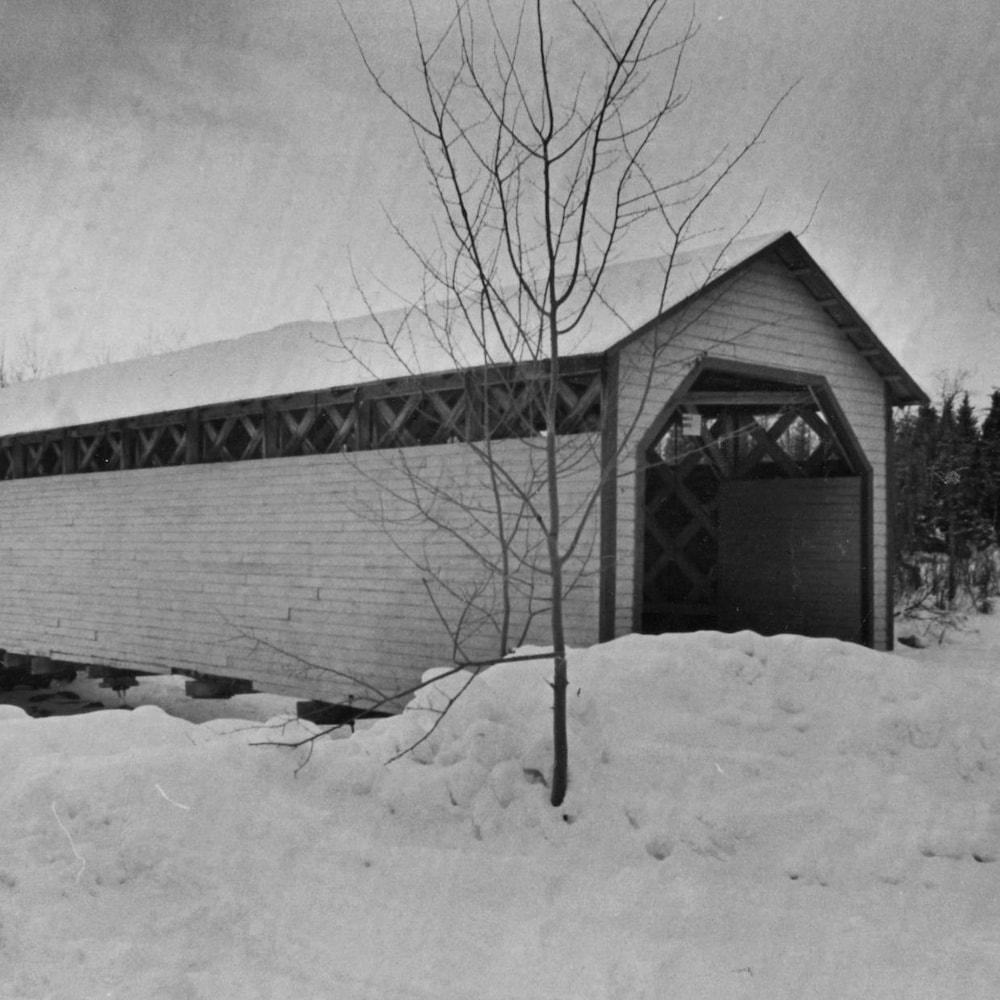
292, 357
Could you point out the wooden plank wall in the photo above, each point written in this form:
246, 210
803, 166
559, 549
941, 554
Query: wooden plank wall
249, 569
762, 316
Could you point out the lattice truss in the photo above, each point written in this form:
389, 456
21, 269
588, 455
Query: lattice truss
461, 406
707, 441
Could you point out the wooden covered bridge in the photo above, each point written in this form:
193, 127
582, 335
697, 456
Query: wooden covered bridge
210, 511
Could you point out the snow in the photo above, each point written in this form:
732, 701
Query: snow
747, 817
313, 356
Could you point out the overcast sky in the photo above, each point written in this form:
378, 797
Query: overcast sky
189, 170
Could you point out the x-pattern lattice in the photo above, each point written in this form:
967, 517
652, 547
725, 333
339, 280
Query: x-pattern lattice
160, 445
319, 429
684, 473
100, 451
44, 458
234, 438
460, 406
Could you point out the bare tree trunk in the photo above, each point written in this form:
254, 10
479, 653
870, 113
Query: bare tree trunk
543, 162
560, 667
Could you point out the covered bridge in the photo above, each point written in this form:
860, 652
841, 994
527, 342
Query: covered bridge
241, 508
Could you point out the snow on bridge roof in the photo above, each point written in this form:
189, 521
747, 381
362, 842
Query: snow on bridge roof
309, 356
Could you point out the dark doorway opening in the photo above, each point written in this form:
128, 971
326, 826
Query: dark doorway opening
753, 510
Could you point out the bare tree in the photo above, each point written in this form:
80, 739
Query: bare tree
541, 151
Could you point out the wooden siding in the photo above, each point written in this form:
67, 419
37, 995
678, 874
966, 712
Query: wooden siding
252, 569
762, 316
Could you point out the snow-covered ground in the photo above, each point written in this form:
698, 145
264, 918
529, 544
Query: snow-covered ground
747, 817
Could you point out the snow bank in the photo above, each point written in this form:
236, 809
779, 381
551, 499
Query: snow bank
832, 762
747, 817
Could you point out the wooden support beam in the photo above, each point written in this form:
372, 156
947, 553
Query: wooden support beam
759, 398
192, 446
126, 446
269, 445
608, 546
856, 334
362, 422
68, 453
474, 407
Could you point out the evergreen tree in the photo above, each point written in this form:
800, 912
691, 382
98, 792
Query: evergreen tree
947, 479
922, 482
990, 458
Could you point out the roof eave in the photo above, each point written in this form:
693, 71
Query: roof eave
902, 388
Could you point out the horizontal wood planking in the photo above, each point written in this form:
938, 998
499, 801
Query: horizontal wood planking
763, 316
246, 569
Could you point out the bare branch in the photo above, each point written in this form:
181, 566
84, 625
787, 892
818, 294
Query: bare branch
542, 167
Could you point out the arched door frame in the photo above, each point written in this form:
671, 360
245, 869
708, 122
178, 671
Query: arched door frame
830, 407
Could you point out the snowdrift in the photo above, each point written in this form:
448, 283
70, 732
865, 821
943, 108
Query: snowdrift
747, 817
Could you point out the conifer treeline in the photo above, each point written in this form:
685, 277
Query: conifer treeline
947, 468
